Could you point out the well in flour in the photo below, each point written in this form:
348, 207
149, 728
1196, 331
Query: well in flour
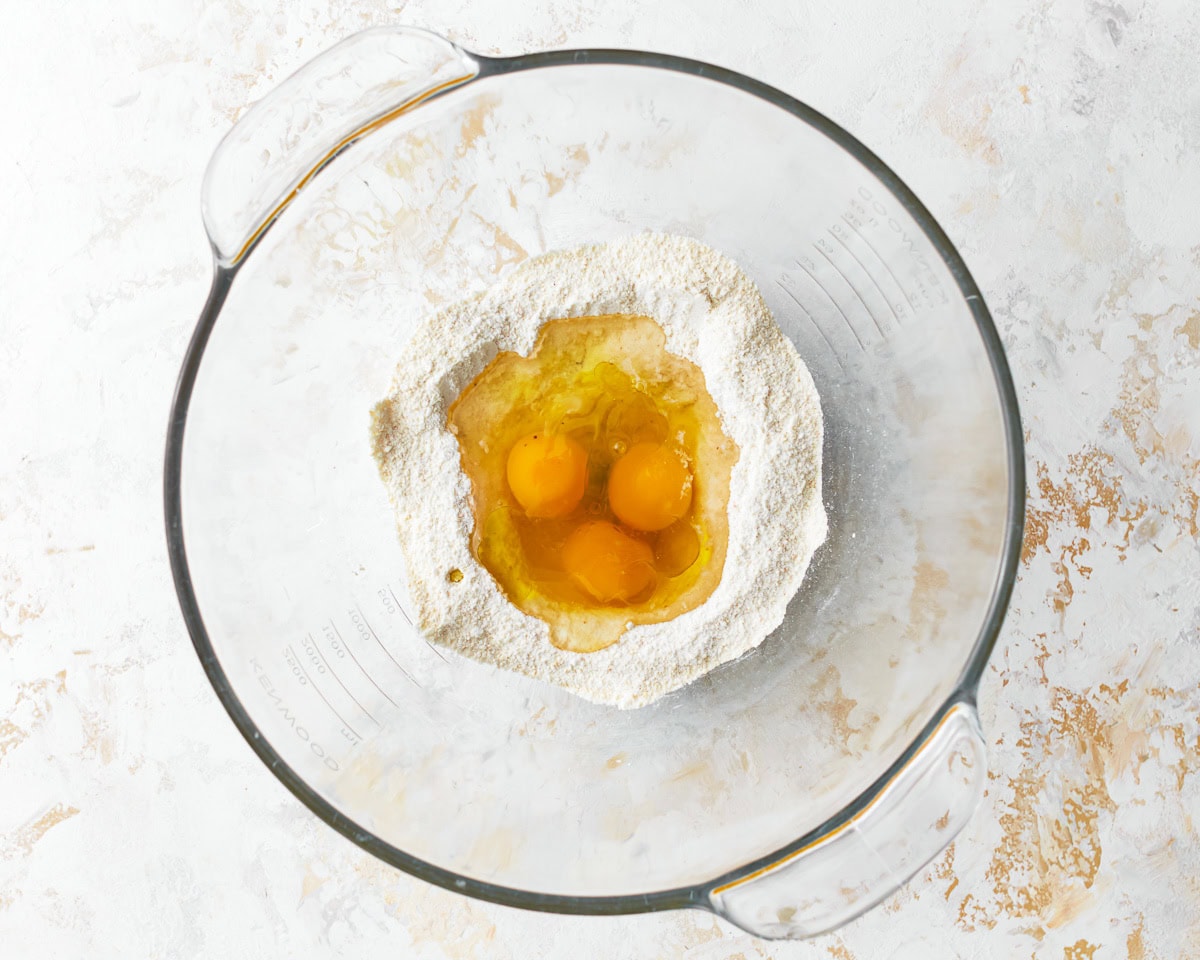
599, 478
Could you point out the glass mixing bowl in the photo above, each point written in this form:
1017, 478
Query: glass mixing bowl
787, 791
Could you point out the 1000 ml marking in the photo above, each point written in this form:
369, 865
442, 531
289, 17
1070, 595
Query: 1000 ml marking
282, 707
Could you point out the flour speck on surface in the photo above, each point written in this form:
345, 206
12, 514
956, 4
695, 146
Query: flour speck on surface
712, 315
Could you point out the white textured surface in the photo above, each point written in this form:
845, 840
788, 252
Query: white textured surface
1060, 147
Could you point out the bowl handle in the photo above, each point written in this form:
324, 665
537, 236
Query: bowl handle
285, 139
848, 871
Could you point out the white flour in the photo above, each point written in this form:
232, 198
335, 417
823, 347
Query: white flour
714, 316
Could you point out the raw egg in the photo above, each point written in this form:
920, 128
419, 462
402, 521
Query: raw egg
599, 478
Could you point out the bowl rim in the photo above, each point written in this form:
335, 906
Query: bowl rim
699, 894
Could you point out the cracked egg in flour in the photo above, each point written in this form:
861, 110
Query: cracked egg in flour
605, 469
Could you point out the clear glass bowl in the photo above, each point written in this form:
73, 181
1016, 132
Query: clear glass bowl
787, 791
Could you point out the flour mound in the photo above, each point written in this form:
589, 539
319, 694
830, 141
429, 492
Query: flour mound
712, 315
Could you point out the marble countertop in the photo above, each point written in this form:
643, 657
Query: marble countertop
1058, 144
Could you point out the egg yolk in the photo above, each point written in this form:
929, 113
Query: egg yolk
547, 474
650, 487
608, 563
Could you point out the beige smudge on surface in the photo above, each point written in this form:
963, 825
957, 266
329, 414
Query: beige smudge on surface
507, 251
698, 769
474, 123
1047, 858
10, 736
538, 724
98, 740
1191, 330
1137, 414
311, 881
698, 929
411, 153
620, 824
943, 869
457, 927
1135, 943
30, 708
925, 609
22, 841
1090, 496
1090, 485
26, 612
830, 699
962, 112
19, 611
1047, 867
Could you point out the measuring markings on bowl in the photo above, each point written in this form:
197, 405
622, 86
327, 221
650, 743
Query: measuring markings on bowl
359, 619
331, 669
305, 679
342, 649
848, 271
867, 212
290, 717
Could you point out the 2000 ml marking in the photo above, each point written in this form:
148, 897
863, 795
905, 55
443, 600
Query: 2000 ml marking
292, 719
